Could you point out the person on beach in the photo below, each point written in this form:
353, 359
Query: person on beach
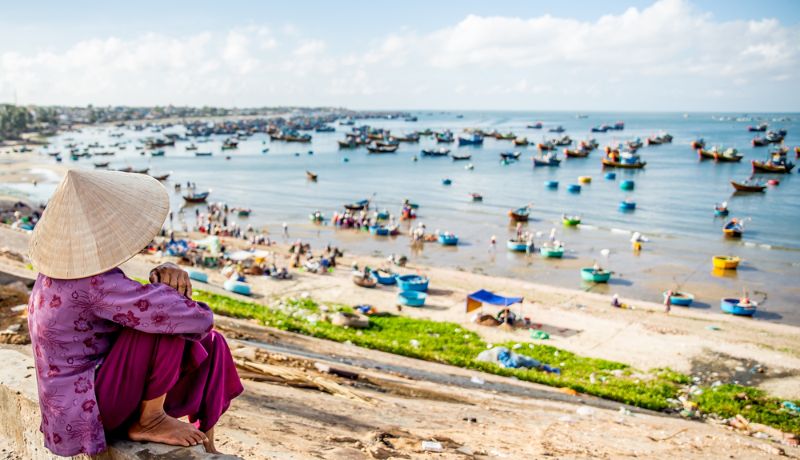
116, 358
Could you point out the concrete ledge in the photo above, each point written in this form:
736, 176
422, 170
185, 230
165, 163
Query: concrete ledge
19, 425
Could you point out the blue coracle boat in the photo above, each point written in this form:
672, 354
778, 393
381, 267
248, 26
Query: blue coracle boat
389, 280
412, 283
681, 299
475, 139
574, 188
551, 184
733, 307
627, 205
626, 185
611, 175
448, 240
412, 298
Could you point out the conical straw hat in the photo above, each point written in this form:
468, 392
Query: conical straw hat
95, 221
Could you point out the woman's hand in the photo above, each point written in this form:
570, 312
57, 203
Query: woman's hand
174, 277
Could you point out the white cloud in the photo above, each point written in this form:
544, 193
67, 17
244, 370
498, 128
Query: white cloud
670, 55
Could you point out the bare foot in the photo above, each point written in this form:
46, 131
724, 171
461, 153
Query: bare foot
166, 430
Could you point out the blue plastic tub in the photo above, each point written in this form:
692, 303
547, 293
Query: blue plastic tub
412, 298
198, 276
237, 286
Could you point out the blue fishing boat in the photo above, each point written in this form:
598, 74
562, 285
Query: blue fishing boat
595, 275
611, 175
627, 205
389, 280
198, 276
237, 287
412, 283
448, 239
552, 252
518, 246
411, 298
379, 230
551, 184
546, 160
475, 139
735, 307
574, 188
626, 185
441, 152
358, 205
681, 299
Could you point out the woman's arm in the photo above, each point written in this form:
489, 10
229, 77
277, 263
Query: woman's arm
152, 308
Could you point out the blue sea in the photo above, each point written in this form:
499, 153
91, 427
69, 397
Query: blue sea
675, 196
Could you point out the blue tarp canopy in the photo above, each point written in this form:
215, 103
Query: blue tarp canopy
478, 298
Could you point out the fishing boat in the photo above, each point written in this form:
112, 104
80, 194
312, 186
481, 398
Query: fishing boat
475, 139
520, 214
759, 142
557, 129
774, 167
660, 139
679, 298
521, 141
608, 163
364, 281
761, 127
730, 155
157, 153
311, 176
140, 171
378, 230
358, 205
457, 157
518, 246
733, 229
546, 146
775, 137
203, 154
725, 262
738, 307
103, 164
382, 148
748, 186
595, 275
537, 125
411, 298
161, 177
243, 212
571, 221
552, 252
721, 209
576, 153
412, 283
348, 143
551, 184
698, 144
627, 205
510, 155
389, 280
562, 141
447, 182
230, 144
441, 152
476, 196
546, 160
448, 239
445, 137
196, 197
325, 129
191, 147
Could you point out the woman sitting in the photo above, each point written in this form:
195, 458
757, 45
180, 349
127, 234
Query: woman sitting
115, 357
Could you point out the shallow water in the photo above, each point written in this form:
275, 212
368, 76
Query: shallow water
675, 195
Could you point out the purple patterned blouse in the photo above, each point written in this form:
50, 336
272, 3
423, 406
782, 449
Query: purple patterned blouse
73, 324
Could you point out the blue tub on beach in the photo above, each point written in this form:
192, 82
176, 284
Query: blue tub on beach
412, 283
412, 298
237, 287
389, 280
198, 276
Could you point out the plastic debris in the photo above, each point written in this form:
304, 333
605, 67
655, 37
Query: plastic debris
432, 446
539, 335
790, 406
585, 411
477, 380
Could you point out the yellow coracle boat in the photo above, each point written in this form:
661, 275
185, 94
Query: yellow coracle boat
726, 262
585, 179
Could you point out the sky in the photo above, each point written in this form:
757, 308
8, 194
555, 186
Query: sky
664, 55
